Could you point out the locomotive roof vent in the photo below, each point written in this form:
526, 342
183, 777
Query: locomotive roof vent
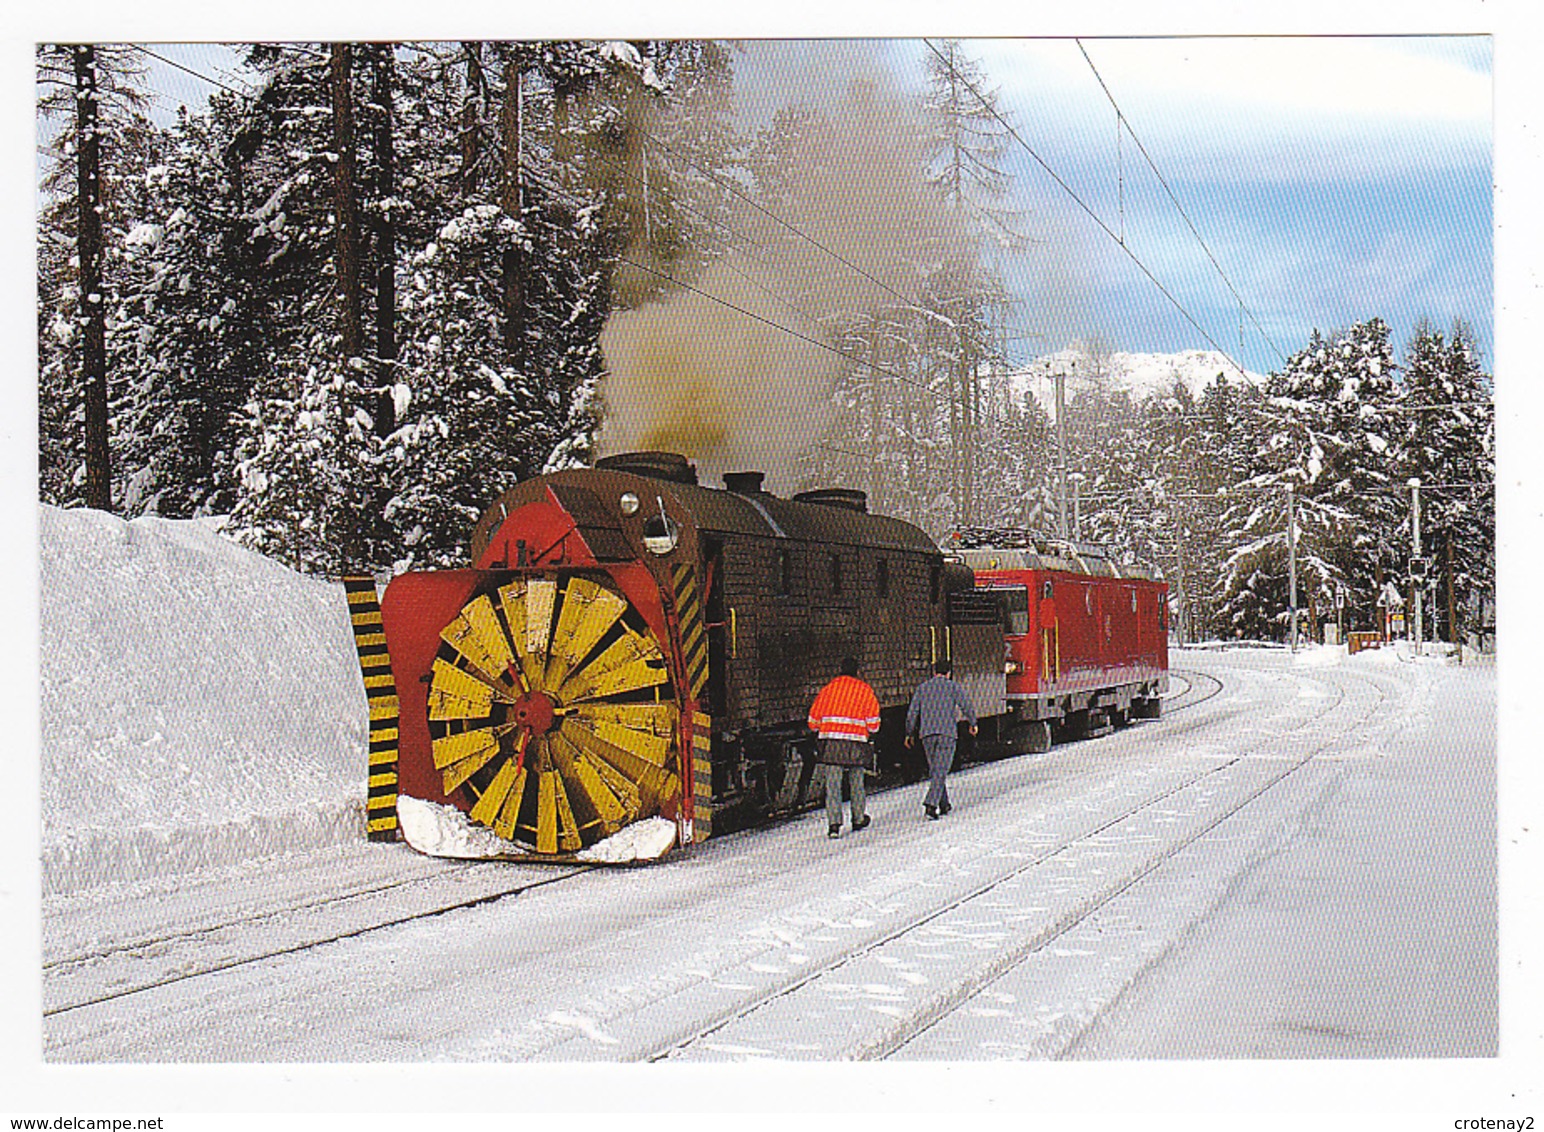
670, 466
850, 498
744, 483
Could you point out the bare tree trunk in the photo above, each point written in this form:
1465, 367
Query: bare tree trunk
514, 204
386, 247
951, 380
347, 265
88, 240
471, 116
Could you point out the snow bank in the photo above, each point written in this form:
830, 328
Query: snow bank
201, 704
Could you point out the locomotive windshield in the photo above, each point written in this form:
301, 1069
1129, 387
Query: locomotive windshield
1013, 601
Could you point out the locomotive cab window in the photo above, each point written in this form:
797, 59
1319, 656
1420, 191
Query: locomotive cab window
836, 573
935, 580
882, 577
784, 571
1045, 589
1013, 601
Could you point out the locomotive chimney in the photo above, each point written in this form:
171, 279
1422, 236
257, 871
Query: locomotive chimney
847, 498
744, 483
670, 466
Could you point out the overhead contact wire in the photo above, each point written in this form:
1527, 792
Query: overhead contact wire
1122, 120
1092, 215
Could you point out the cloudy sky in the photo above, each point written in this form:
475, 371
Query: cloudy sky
1331, 178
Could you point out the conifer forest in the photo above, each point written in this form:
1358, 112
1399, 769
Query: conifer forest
342, 311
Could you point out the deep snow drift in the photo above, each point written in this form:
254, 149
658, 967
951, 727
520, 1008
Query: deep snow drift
201, 704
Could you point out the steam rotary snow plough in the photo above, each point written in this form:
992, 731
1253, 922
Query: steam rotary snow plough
632, 649
629, 662
549, 693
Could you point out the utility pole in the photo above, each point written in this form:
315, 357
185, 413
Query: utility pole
1452, 624
1061, 455
1077, 479
1415, 557
1292, 563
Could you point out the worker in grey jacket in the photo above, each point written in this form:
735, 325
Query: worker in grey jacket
936, 708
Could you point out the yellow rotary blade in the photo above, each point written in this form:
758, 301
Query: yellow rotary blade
512, 600
546, 813
598, 812
653, 718
589, 610
477, 635
456, 694
613, 795
541, 595
568, 828
460, 756
486, 811
450, 749
509, 811
629, 663
645, 744
654, 784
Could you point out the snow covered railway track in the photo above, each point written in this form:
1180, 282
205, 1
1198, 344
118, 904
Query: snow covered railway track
1198, 688
98, 974
914, 989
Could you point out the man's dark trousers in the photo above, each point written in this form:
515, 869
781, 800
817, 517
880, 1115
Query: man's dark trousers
940, 757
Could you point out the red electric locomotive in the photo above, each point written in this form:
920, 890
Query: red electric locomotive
1085, 639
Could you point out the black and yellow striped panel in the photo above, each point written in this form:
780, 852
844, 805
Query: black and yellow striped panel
702, 777
364, 609
694, 638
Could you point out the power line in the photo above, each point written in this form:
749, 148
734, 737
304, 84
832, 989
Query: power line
724, 184
663, 275
191, 71
1066, 188
785, 329
1122, 120
729, 187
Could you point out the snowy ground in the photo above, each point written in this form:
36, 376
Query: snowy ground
1302, 827
1297, 861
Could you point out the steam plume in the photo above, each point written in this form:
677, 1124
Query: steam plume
686, 372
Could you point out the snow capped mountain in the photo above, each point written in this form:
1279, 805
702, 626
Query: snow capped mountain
1141, 374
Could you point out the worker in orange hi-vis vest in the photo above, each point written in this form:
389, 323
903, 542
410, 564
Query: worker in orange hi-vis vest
845, 714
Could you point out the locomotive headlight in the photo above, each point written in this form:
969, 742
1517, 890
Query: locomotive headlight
629, 503
1010, 667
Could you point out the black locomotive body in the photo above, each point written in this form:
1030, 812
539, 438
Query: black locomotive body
789, 587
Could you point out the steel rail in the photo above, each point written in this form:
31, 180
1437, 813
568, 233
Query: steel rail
971, 987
